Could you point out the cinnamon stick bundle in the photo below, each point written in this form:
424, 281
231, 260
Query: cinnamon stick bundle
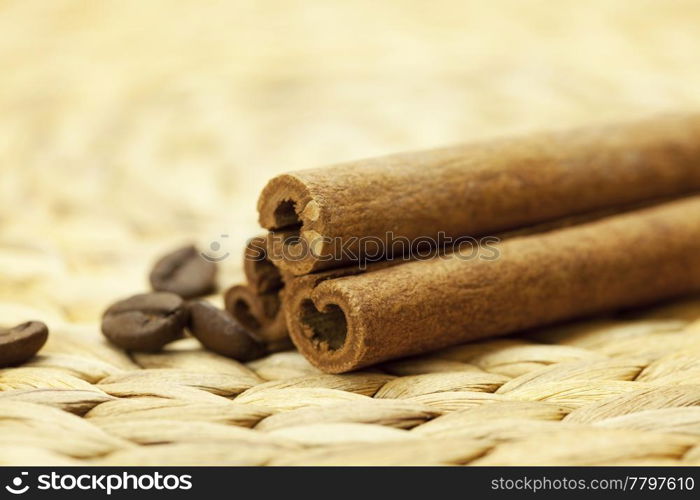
475, 189
342, 323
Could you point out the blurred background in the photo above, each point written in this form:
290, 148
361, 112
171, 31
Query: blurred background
128, 127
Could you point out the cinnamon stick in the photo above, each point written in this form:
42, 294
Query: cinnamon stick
342, 323
475, 189
261, 314
257, 305
260, 272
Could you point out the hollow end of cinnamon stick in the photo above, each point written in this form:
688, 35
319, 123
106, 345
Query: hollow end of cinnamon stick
261, 314
296, 242
323, 329
262, 275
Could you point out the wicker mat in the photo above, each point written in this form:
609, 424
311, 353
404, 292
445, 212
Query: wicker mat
128, 127
609, 391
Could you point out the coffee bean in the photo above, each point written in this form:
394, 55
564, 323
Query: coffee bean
145, 322
218, 331
184, 272
21, 342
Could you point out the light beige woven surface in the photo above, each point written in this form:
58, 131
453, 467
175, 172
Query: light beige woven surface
127, 127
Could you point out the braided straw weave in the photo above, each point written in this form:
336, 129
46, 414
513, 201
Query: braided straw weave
127, 127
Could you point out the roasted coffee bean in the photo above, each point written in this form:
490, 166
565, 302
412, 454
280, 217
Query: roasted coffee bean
145, 322
21, 342
218, 331
184, 272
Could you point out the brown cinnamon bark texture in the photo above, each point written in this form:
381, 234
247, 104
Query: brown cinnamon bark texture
261, 314
258, 305
342, 323
260, 272
475, 189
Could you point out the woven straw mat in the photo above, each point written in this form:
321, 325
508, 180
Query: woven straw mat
128, 127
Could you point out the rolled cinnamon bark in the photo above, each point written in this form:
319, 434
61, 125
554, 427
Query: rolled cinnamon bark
474, 189
257, 305
342, 323
260, 313
261, 273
